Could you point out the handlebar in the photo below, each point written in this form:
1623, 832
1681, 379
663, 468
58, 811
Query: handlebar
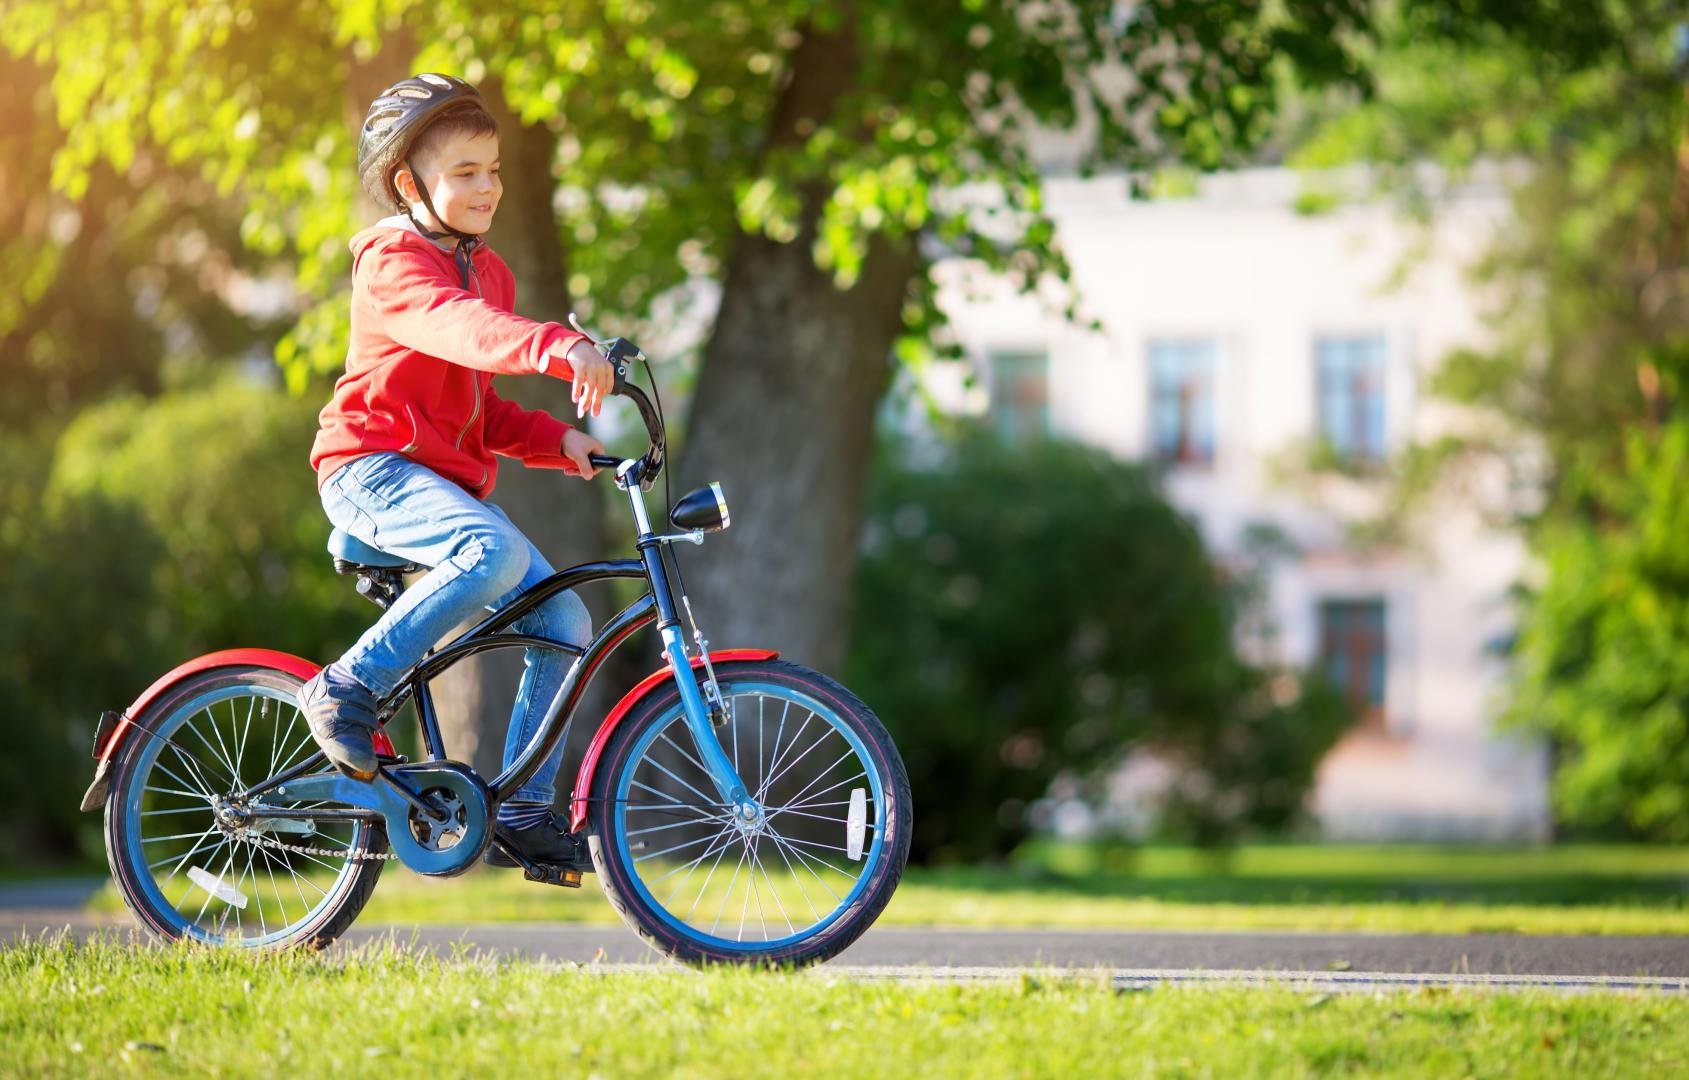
620, 351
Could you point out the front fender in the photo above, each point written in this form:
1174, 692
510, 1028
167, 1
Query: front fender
578, 803
106, 750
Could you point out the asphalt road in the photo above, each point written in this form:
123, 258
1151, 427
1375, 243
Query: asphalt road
1341, 961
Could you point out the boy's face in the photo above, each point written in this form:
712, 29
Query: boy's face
461, 175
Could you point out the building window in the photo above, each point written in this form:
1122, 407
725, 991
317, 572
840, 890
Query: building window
1351, 396
1353, 653
1020, 396
1182, 401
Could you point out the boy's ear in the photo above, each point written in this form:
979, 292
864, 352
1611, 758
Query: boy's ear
405, 183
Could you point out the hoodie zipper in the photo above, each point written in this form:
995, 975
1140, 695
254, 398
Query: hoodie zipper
475, 379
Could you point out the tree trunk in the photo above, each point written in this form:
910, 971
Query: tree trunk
784, 412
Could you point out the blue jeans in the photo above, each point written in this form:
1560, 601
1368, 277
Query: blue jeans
480, 560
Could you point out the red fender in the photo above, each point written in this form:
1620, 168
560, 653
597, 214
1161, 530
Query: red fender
269, 658
583, 781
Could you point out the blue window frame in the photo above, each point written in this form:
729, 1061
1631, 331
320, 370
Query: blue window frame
1354, 654
1351, 396
1182, 401
1020, 396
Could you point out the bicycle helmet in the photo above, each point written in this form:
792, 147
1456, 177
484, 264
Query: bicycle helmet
396, 117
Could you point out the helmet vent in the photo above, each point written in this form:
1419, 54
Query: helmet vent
435, 79
413, 92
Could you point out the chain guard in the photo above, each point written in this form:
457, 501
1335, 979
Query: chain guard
380, 796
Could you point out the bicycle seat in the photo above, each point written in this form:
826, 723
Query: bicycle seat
357, 555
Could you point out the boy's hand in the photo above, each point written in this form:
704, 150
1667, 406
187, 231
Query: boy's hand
577, 444
594, 377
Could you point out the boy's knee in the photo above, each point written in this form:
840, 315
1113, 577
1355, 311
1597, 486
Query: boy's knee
497, 560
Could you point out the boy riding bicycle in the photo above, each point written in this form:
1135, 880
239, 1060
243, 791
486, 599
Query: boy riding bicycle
405, 452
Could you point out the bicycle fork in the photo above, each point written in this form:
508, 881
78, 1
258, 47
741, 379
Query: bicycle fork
700, 715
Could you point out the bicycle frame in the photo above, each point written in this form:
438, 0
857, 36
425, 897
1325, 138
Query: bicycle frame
657, 604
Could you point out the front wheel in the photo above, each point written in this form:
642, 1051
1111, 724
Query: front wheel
797, 884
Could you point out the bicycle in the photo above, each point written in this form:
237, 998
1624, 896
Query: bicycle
737, 807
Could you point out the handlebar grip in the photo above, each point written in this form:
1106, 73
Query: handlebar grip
603, 461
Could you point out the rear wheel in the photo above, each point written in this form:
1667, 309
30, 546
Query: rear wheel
187, 873
801, 881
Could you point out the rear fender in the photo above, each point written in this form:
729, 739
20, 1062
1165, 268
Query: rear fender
111, 737
579, 802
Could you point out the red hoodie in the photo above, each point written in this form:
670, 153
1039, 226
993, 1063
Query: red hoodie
420, 367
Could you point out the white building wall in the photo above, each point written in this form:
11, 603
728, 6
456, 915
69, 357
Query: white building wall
1237, 264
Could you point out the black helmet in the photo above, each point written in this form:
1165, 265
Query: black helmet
395, 119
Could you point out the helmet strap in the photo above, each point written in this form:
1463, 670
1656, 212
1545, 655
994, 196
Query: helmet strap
466, 242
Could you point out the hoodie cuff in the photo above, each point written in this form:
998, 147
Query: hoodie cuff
562, 339
546, 446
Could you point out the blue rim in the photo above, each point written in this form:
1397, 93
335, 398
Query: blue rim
147, 755
731, 687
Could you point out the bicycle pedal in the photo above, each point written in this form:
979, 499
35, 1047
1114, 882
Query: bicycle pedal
553, 875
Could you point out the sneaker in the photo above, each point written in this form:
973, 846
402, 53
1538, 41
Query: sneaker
340, 712
546, 842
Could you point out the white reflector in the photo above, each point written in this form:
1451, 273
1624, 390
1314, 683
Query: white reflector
856, 825
226, 893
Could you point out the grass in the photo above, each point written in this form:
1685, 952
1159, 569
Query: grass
1596, 889
101, 1007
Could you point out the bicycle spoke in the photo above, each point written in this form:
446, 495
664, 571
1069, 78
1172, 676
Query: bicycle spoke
209, 829
665, 851
797, 881
820, 817
672, 800
305, 905
173, 836
756, 857
678, 780
804, 861
275, 734
685, 754
767, 781
203, 904
168, 771
726, 839
729, 894
816, 843
816, 779
228, 759
240, 751
823, 791
192, 764
671, 825
800, 757
173, 791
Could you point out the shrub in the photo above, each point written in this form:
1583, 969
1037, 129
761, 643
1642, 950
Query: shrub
1023, 613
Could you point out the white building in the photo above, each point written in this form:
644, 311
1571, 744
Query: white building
1237, 335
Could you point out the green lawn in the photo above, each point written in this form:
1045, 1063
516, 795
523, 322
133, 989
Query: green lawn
1605, 889
104, 1008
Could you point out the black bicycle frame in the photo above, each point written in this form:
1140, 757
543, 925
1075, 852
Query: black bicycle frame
656, 605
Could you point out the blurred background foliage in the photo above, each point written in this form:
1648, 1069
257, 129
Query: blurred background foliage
1582, 120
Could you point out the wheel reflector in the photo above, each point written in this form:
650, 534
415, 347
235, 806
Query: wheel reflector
856, 824
226, 893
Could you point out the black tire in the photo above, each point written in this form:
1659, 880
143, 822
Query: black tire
316, 921
657, 717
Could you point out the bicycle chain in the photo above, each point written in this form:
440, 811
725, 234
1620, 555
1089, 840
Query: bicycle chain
333, 853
